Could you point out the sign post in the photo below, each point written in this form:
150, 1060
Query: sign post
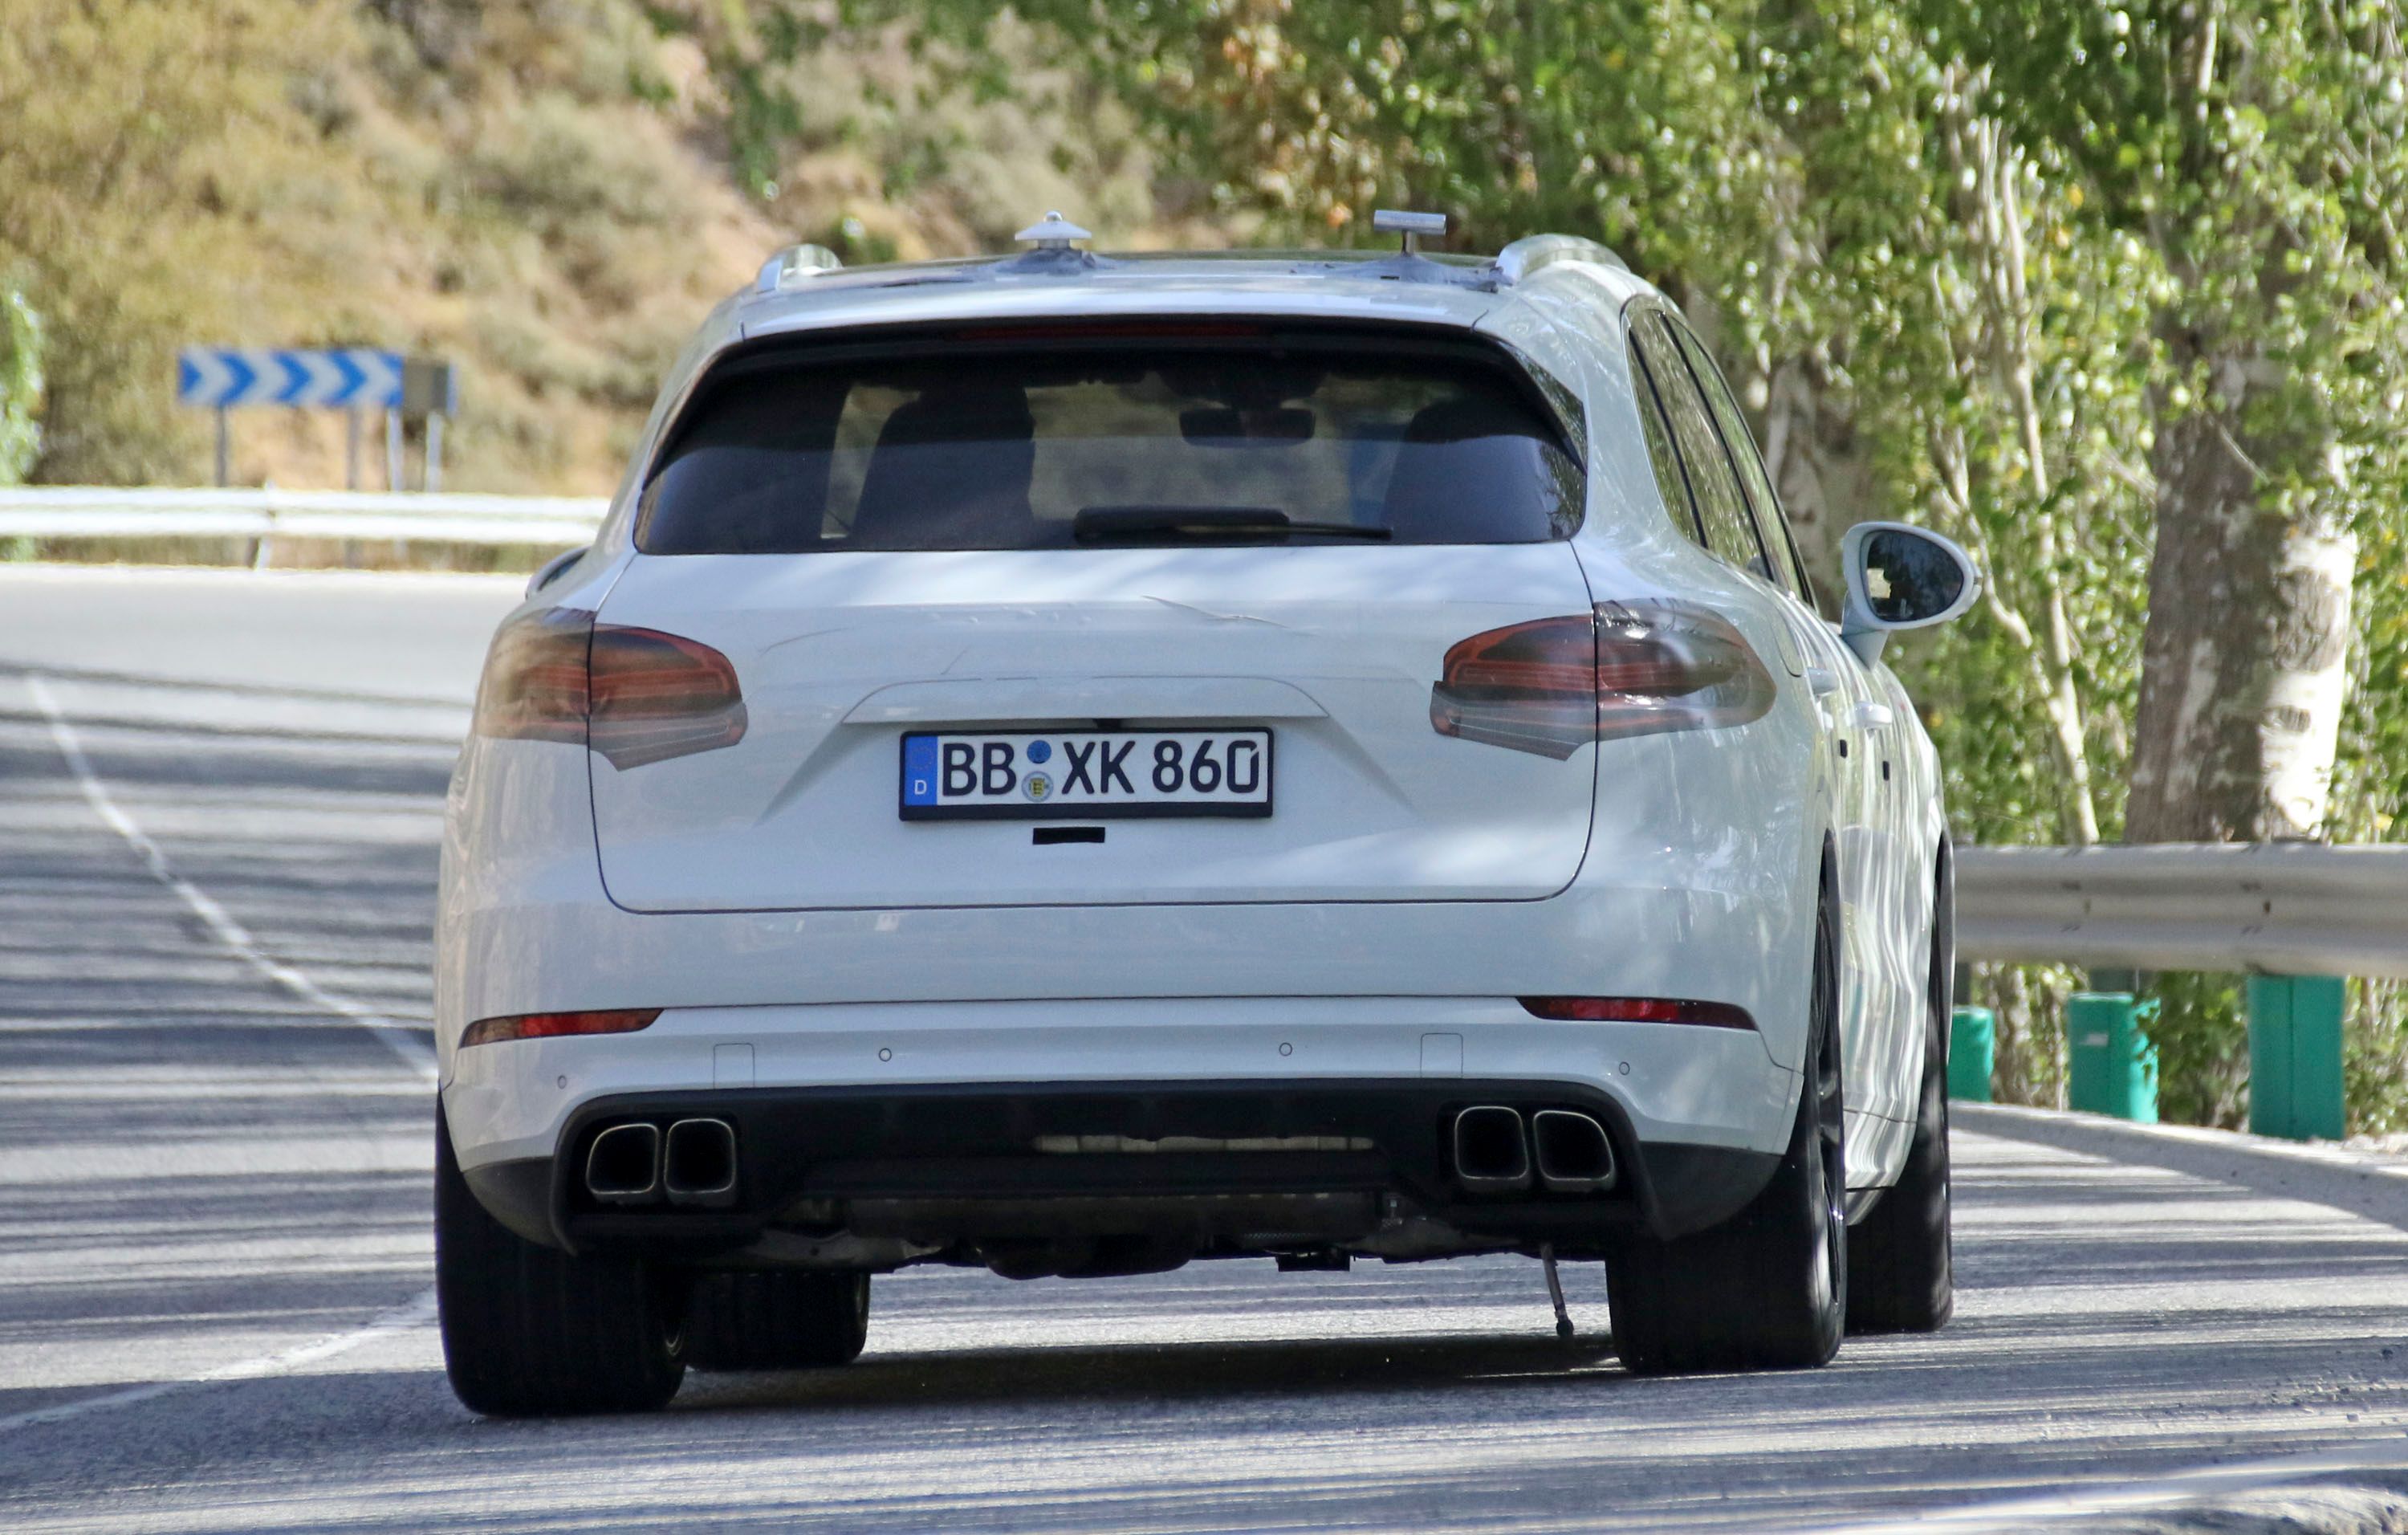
349, 379
430, 391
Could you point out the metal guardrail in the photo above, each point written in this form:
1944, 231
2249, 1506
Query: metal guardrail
2276, 908
105, 513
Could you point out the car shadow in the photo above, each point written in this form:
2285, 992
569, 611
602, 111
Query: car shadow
1159, 1373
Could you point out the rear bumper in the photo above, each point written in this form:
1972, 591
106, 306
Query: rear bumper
1668, 1083
528, 930
1356, 1163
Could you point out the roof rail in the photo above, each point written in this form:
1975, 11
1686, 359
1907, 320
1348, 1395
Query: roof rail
796, 264
1533, 254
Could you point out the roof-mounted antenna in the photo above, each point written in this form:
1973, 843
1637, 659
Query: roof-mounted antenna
794, 265
1051, 233
1412, 225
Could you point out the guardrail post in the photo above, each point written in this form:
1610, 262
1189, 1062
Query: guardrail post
2112, 1067
1973, 1054
2295, 1054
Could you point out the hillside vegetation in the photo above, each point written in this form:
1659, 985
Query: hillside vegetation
549, 192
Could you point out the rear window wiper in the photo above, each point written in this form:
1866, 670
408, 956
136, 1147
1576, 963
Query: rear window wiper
1142, 521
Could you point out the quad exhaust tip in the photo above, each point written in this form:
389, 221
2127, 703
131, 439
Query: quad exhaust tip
623, 1164
698, 1168
1573, 1155
1490, 1150
634, 1164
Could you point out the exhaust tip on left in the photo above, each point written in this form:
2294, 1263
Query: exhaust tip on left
623, 1164
1490, 1151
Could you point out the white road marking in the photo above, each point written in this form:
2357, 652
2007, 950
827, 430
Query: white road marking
415, 1312
395, 1036
420, 1309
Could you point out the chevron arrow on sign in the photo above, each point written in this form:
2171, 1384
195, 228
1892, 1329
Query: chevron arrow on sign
223, 377
299, 378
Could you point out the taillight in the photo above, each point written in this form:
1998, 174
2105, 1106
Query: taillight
1626, 669
534, 686
1638, 1009
552, 1025
635, 695
656, 696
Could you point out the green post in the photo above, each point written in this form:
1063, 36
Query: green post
2112, 1067
1973, 1054
2295, 1076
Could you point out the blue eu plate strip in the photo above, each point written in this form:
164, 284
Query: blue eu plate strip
920, 771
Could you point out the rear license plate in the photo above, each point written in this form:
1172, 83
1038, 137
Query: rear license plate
1058, 775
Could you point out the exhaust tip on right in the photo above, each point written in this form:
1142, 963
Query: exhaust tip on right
698, 1165
623, 1164
1490, 1150
1573, 1154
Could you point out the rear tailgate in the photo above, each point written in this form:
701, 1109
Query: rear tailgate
1332, 649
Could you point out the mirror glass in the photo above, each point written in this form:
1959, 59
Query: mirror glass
1909, 578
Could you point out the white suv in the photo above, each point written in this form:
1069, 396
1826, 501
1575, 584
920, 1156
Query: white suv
1074, 765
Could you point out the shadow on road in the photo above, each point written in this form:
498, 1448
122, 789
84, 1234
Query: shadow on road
1159, 1373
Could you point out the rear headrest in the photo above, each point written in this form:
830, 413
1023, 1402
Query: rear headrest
959, 455
1480, 442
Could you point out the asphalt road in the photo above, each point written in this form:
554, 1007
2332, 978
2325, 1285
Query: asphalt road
220, 798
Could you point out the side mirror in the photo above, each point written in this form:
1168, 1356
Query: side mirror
553, 569
1900, 577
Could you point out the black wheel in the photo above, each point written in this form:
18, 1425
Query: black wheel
1767, 1288
776, 1319
1901, 1278
529, 1331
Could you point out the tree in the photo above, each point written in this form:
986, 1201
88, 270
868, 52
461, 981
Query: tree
20, 385
131, 135
2257, 151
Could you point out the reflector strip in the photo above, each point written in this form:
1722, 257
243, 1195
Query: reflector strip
548, 1026
1638, 1009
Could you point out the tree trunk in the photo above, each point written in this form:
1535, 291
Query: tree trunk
2244, 665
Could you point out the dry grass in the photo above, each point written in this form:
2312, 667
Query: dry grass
544, 192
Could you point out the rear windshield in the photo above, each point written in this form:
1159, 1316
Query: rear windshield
1034, 449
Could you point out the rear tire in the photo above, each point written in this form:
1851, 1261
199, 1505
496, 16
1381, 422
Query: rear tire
1767, 1288
1900, 1273
776, 1319
529, 1331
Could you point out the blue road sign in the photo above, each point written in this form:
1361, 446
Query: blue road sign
353, 377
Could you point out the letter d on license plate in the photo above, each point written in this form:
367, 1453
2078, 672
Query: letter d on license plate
1057, 775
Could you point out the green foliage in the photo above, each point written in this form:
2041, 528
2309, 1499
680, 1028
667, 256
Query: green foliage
885, 141
112, 113
20, 385
2201, 1032
2374, 1059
